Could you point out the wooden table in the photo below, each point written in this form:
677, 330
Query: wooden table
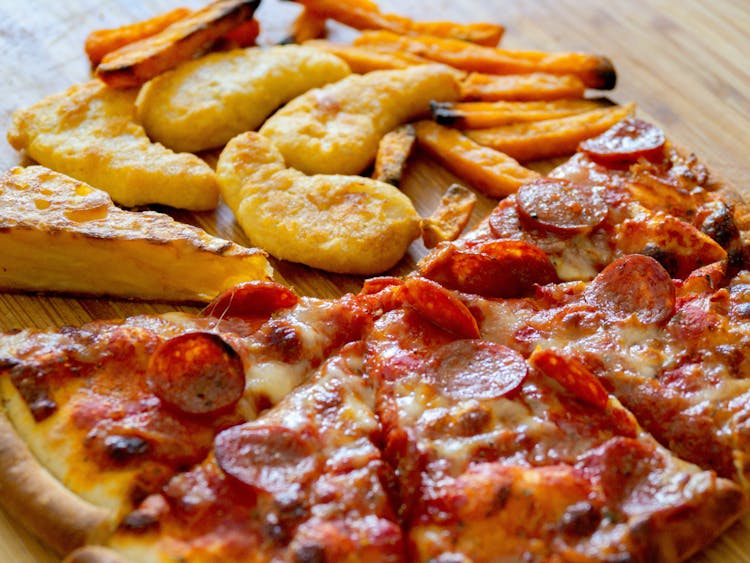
685, 62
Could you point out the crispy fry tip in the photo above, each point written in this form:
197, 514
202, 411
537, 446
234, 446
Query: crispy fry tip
606, 74
442, 113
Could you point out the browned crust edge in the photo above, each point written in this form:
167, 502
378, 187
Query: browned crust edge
41, 503
729, 194
95, 554
677, 534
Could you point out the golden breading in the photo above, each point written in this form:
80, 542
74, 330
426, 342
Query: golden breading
61, 235
344, 224
336, 129
89, 132
204, 103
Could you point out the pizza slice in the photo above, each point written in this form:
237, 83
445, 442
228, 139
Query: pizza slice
61, 235
674, 352
627, 191
661, 322
500, 457
304, 482
112, 410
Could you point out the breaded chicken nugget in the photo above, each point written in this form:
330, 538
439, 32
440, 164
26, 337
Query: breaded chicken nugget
89, 132
336, 129
204, 103
344, 224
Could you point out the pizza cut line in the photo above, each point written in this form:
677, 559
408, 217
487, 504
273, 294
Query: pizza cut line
564, 383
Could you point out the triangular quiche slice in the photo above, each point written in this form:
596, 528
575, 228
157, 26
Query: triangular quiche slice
61, 235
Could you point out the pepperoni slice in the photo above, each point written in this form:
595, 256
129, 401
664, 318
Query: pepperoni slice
441, 307
374, 285
575, 377
560, 206
474, 369
251, 299
503, 268
626, 141
704, 280
196, 373
267, 458
504, 221
633, 285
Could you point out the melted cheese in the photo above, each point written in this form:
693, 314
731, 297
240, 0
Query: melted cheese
56, 443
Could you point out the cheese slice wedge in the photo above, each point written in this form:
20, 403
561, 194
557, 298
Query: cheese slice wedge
60, 235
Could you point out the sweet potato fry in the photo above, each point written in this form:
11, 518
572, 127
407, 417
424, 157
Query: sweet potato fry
362, 60
364, 14
488, 170
134, 64
521, 87
487, 34
481, 115
594, 70
103, 41
451, 216
552, 137
244, 35
305, 27
393, 152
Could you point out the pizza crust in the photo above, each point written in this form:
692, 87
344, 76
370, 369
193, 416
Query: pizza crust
670, 535
95, 554
44, 506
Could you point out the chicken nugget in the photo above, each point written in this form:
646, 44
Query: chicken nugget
204, 103
343, 224
89, 133
336, 129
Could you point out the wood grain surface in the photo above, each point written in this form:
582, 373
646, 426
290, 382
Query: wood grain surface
684, 62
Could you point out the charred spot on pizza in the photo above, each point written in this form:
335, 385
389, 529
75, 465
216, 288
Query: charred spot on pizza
720, 226
151, 477
470, 420
501, 495
580, 519
309, 553
668, 260
146, 517
281, 522
34, 388
282, 339
140, 521
122, 449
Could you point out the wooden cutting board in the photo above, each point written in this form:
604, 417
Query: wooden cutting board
685, 63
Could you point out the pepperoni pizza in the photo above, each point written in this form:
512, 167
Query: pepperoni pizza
565, 383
